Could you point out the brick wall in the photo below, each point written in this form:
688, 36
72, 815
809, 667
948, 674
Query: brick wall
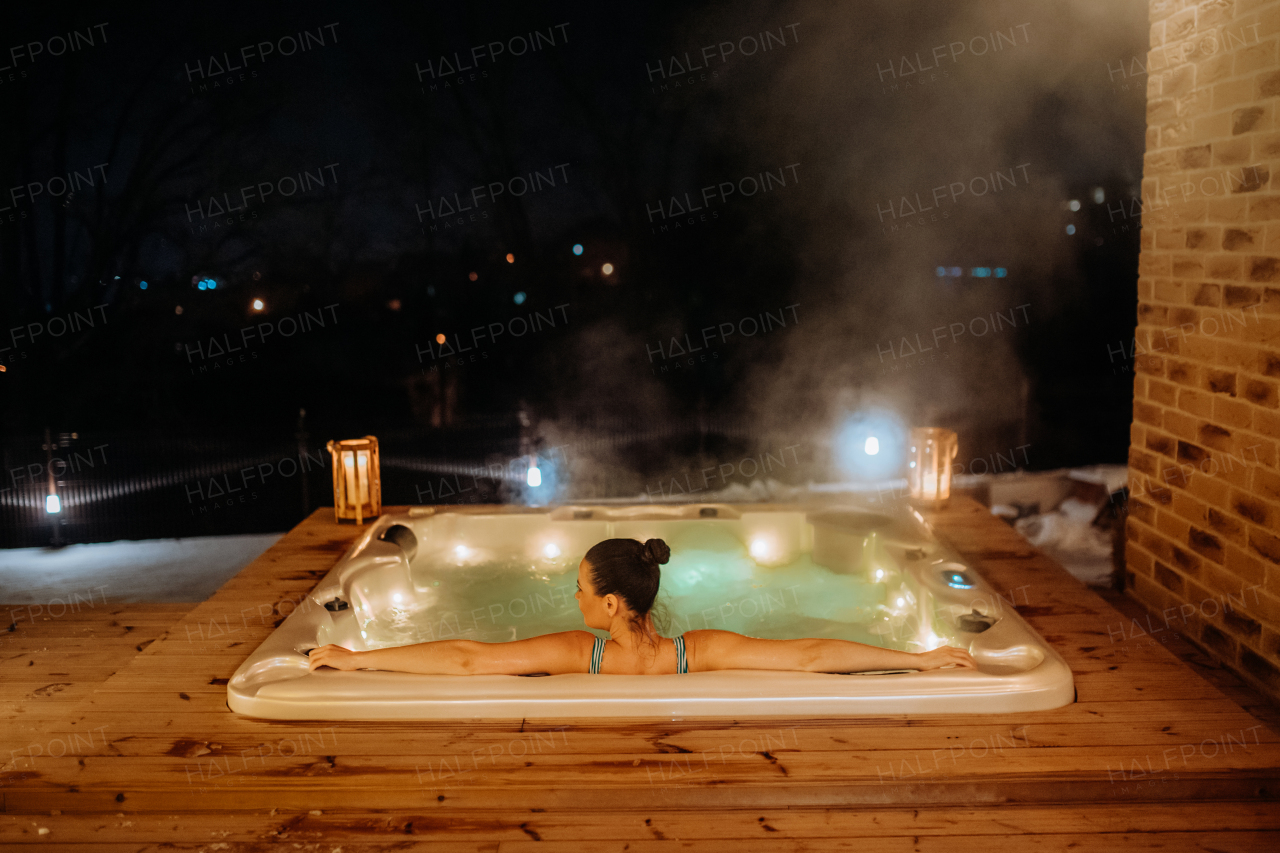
1203, 536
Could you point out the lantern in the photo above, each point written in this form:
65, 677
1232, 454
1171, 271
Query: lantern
929, 464
357, 483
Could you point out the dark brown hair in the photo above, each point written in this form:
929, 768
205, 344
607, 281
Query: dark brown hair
630, 570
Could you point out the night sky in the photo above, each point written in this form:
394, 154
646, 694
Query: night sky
421, 220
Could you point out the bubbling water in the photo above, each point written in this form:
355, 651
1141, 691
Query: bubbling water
711, 581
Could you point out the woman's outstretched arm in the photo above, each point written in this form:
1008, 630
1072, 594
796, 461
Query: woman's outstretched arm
712, 649
567, 651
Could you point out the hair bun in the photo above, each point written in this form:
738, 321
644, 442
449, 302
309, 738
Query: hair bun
657, 551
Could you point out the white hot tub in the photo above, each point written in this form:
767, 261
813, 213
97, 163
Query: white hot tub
874, 575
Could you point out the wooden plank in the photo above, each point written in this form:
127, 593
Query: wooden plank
455, 825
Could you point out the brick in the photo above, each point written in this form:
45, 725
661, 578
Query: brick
1187, 266
1194, 157
1242, 239
1196, 403
1138, 560
1232, 152
1266, 423
1231, 93
1151, 364
1184, 319
1261, 393
1222, 645
1228, 467
1211, 490
1172, 526
1265, 545
1213, 69
1168, 578
1231, 354
1252, 179
1181, 425
1264, 269
1142, 511
1214, 436
1266, 484
1246, 119
1245, 566
1271, 295
1152, 315
1255, 57
1266, 672
1141, 461
1253, 509
1220, 381
1225, 525
1207, 294
1227, 267
1182, 372
1240, 296
1170, 238
1264, 207
1267, 145
1240, 625
1268, 86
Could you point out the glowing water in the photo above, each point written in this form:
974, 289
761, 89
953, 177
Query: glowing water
711, 581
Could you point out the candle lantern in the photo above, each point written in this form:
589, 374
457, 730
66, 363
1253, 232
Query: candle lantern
929, 465
357, 483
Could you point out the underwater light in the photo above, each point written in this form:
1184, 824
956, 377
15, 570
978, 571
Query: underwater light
52, 504
760, 548
552, 550
959, 580
901, 602
461, 552
534, 478
879, 574
872, 446
396, 596
577, 248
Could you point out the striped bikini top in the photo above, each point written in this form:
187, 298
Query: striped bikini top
597, 656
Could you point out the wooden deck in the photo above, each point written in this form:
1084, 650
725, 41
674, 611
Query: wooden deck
116, 735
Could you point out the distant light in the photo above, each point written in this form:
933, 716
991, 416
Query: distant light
212, 284
52, 505
872, 446
394, 304
202, 284
115, 278
471, 275
577, 248
860, 457
1071, 229
258, 305
980, 272
942, 272
1098, 195
954, 272
1074, 204
142, 285
552, 550
431, 291
256, 275
511, 259
519, 298
1001, 272
177, 309
534, 478
607, 269
440, 338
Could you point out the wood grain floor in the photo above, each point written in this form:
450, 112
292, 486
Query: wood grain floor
116, 735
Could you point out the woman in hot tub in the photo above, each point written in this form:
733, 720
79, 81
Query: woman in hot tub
617, 583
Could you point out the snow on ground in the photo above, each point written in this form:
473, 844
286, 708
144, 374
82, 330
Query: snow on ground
154, 570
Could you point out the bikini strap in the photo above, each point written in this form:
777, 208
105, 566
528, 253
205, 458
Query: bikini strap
597, 655
682, 664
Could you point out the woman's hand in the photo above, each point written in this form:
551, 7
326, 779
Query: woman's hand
334, 656
940, 657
